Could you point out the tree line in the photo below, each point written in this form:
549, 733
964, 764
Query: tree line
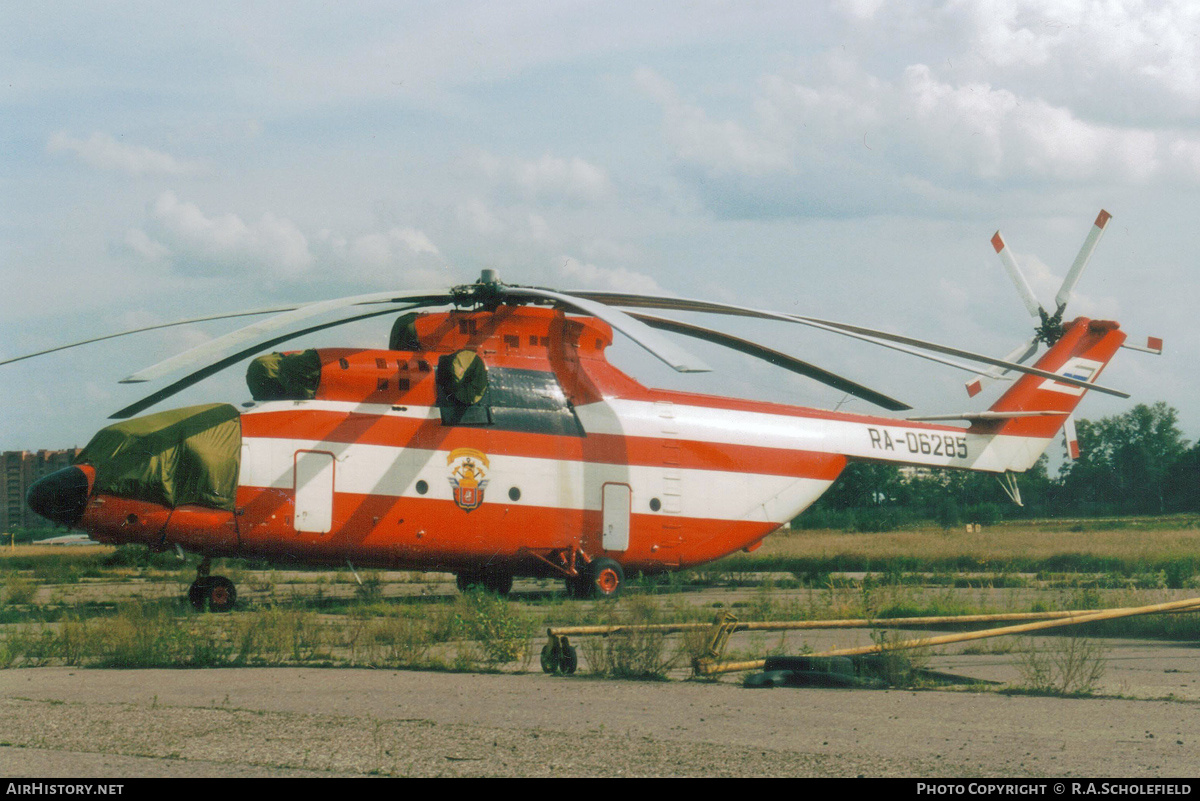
1130, 464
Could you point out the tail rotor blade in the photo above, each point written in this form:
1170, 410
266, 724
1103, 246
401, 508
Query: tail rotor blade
1018, 278
1070, 439
1081, 260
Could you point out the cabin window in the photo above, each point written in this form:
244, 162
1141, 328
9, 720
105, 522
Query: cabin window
513, 400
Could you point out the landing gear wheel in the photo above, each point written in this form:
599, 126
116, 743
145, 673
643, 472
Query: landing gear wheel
465, 581
197, 593
214, 593
222, 595
606, 578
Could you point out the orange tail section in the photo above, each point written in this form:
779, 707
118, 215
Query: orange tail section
1082, 353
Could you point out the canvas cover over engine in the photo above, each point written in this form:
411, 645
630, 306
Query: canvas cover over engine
183, 456
285, 376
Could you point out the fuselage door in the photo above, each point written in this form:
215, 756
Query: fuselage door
616, 509
314, 491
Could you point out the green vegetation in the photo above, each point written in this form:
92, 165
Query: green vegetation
124, 608
1136, 463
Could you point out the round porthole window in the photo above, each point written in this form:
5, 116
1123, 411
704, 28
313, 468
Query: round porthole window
514, 494
655, 504
422, 487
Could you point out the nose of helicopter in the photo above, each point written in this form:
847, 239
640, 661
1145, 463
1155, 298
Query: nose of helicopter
61, 496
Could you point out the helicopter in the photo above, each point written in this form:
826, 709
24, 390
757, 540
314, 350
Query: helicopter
492, 438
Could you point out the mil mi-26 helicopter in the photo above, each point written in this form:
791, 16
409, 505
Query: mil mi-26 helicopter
494, 439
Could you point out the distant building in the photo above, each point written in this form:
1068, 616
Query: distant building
20, 470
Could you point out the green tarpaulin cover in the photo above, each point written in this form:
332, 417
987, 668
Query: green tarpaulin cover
284, 376
463, 376
178, 457
404, 333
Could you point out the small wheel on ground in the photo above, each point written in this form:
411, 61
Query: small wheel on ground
550, 659
569, 660
606, 577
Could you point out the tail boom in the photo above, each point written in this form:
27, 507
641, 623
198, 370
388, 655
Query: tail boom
1017, 429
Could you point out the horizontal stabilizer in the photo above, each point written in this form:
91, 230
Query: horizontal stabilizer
1153, 345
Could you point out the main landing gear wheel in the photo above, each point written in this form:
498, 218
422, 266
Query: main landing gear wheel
214, 593
607, 578
603, 578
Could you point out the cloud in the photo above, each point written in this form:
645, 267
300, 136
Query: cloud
617, 279
200, 244
196, 243
102, 151
725, 147
549, 178
842, 140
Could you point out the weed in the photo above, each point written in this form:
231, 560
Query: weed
18, 589
371, 588
502, 633
898, 667
633, 654
1070, 665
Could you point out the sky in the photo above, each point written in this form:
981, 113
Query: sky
845, 160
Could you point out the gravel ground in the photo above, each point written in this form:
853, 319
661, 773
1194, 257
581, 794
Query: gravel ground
62, 722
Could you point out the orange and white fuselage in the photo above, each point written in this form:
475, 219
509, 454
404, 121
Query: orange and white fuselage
576, 459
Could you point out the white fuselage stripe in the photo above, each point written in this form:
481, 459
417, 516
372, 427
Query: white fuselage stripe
268, 462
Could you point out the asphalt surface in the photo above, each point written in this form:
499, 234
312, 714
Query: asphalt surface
77, 723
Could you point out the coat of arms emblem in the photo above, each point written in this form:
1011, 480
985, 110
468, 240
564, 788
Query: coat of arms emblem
468, 477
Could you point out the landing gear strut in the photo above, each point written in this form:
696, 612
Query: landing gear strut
214, 593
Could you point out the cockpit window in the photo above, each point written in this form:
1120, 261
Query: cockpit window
503, 397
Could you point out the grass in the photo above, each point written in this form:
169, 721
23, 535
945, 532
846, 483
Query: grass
308, 617
1151, 548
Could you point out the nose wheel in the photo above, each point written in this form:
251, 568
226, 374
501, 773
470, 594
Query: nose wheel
214, 593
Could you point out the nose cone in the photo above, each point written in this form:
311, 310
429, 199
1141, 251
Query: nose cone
61, 496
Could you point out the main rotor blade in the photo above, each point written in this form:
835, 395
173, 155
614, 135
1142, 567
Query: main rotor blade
1081, 260
215, 347
1018, 278
915, 347
666, 350
775, 357
979, 357
682, 304
250, 313
1019, 354
217, 366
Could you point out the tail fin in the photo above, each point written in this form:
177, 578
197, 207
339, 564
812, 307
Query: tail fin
1082, 353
